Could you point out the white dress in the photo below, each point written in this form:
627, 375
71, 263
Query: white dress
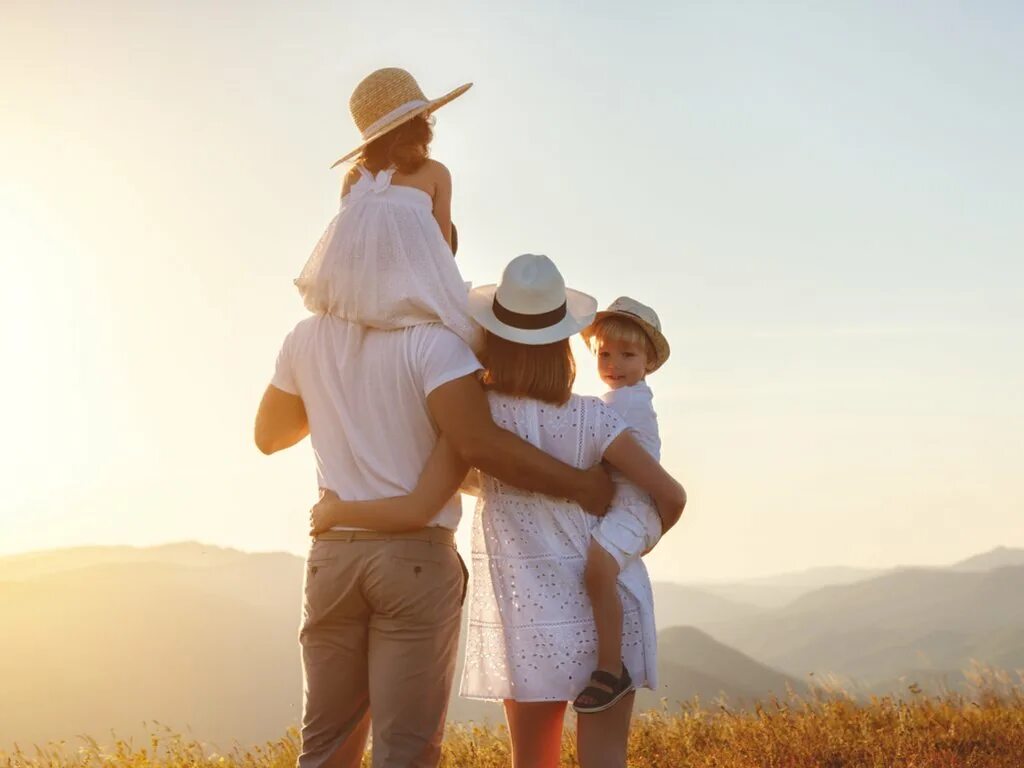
531, 634
383, 262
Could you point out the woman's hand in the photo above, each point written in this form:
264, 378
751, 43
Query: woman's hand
321, 515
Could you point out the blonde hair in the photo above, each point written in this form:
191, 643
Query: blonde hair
543, 372
619, 328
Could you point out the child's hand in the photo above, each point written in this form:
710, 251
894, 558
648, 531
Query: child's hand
321, 517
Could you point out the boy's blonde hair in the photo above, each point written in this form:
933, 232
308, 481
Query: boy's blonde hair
619, 328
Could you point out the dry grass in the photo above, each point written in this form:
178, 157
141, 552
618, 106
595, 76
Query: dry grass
824, 732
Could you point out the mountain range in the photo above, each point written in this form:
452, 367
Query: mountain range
204, 639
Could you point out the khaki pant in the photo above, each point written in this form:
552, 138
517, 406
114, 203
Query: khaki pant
379, 635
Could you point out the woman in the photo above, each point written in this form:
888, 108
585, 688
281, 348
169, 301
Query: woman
531, 640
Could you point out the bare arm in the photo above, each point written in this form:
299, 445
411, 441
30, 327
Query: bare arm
629, 457
280, 421
443, 201
438, 482
461, 412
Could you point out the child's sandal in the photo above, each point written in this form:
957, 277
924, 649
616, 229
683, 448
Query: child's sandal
594, 698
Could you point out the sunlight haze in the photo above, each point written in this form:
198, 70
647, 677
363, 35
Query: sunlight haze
822, 201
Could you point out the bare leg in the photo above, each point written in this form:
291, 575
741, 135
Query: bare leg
536, 731
602, 738
601, 577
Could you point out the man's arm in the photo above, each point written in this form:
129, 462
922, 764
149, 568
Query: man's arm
461, 412
280, 421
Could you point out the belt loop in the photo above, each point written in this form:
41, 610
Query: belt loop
351, 536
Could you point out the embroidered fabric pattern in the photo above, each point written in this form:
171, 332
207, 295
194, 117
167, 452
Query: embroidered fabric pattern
531, 634
383, 262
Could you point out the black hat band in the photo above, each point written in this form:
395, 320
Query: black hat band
528, 322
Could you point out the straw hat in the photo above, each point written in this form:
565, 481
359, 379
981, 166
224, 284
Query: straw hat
387, 98
642, 315
531, 304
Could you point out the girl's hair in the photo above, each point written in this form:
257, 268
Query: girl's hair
619, 328
544, 372
407, 147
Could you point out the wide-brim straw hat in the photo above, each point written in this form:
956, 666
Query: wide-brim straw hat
643, 316
387, 98
531, 304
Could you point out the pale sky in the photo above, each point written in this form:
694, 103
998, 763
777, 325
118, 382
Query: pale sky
823, 201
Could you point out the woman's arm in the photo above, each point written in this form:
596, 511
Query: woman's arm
439, 481
629, 457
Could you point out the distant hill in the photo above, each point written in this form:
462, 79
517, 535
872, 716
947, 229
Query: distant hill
189, 553
776, 591
693, 664
1000, 557
872, 631
205, 638
681, 605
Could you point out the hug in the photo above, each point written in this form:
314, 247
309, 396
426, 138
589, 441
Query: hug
413, 389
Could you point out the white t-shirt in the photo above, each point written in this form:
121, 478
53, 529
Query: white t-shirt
635, 405
365, 393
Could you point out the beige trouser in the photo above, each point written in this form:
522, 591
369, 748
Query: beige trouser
379, 635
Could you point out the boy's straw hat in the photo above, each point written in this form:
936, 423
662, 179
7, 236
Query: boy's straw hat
531, 304
387, 98
642, 315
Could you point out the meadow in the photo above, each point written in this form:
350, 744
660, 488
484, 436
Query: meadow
819, 731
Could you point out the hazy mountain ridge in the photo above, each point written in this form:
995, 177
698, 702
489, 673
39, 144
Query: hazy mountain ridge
195, 635
208, 638
930, 619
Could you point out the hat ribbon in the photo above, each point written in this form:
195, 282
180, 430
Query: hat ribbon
528, 322
394, 114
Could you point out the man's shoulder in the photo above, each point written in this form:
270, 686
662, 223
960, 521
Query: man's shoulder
434, 338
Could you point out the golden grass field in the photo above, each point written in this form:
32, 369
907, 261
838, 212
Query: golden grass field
986, 731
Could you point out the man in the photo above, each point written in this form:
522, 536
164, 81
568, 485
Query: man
381, 611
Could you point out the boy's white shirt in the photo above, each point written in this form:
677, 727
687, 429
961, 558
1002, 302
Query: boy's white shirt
635, 404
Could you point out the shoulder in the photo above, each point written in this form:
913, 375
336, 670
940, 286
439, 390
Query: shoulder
349, 180
303, 329
437, 335
619, 400
589, 404
437, 172
437, 168
441, 350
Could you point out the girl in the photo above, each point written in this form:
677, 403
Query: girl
385, 260
532, 638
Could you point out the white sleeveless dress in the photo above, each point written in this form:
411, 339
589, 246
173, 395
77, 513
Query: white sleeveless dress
531, 634
383, 263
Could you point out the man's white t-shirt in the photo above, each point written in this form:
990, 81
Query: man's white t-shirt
365, 393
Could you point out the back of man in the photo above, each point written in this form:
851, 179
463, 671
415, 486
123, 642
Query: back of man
381, 611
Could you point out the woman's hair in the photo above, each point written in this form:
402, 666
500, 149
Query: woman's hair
405, 147
619, 328
544, 372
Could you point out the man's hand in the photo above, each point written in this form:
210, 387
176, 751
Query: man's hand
596, 491
320, 515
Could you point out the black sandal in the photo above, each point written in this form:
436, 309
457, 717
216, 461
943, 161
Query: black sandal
599, 698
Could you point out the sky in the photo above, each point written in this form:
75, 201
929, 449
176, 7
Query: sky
822, 200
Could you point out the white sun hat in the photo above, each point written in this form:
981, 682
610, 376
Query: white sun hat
386, 99
531, 304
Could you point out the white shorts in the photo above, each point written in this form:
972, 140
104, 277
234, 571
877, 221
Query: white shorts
628, 530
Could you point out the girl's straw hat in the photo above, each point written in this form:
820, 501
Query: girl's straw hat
387, 98
531, 304
643, 316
